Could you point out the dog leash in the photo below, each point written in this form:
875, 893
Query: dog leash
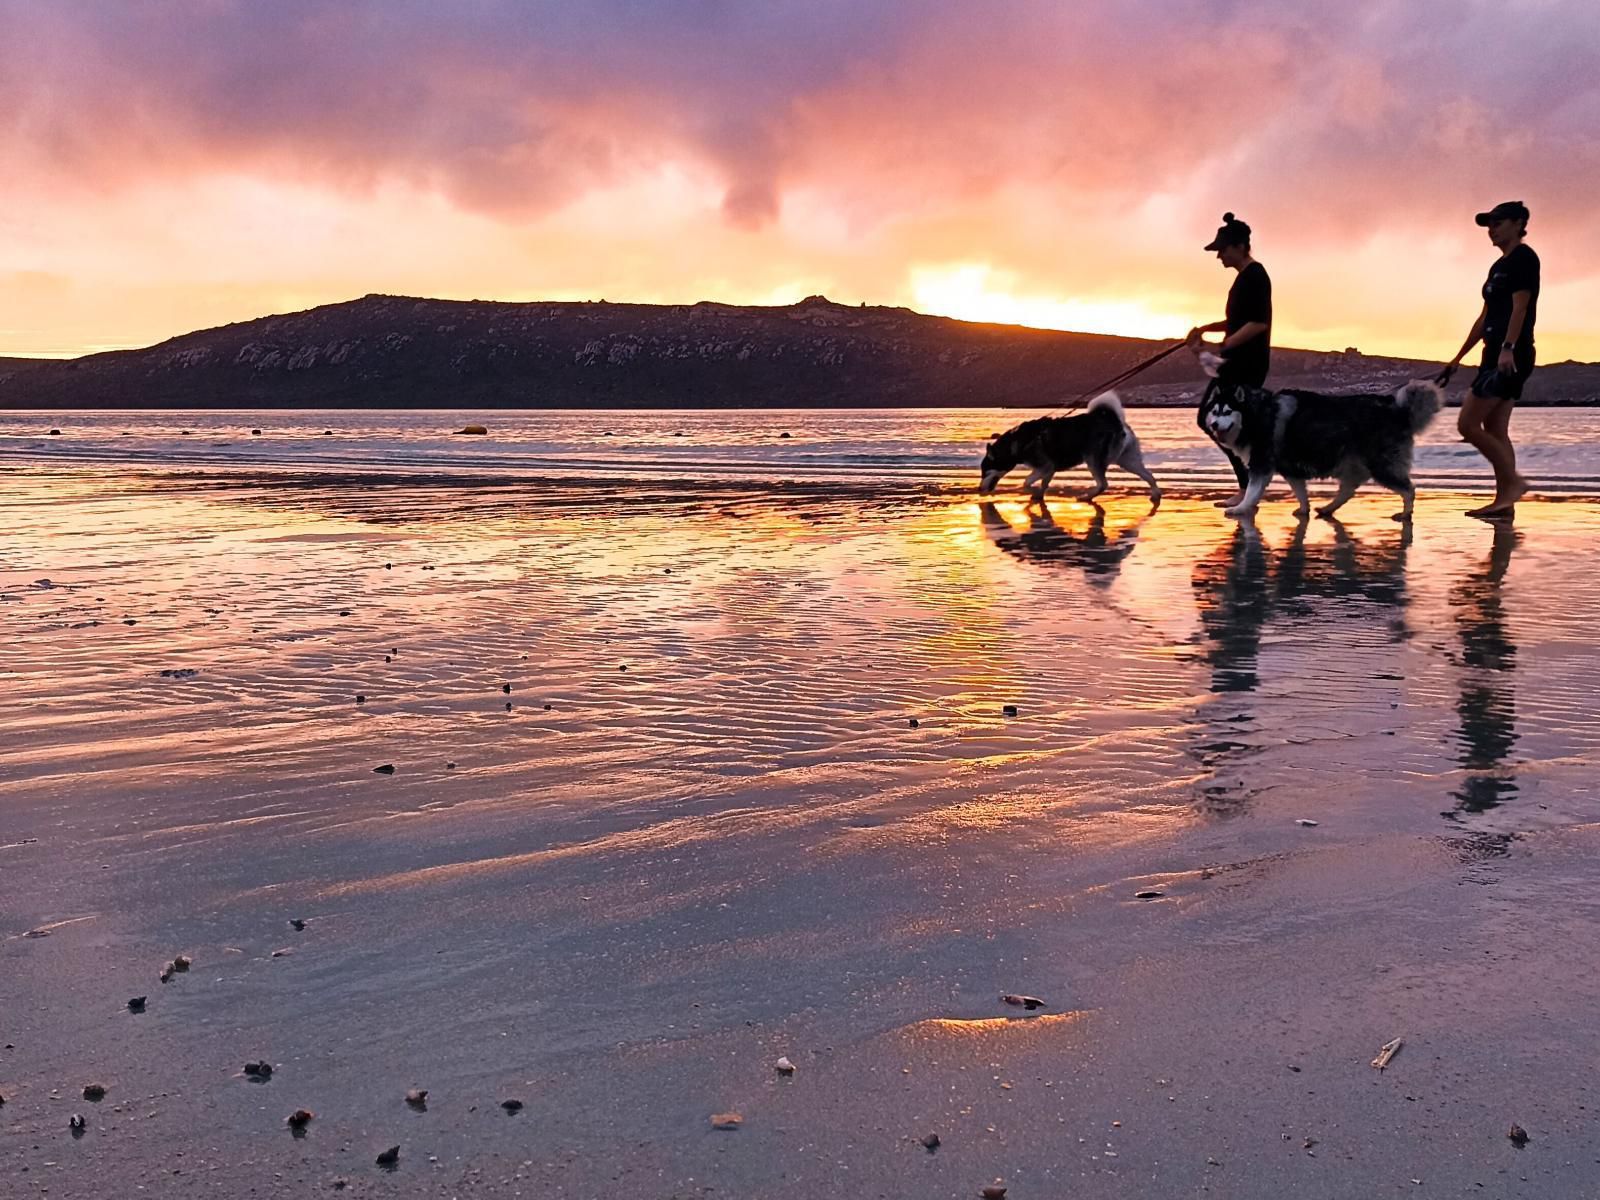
1124, 376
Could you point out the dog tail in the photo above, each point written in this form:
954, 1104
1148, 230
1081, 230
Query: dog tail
1423, 399
1109, 400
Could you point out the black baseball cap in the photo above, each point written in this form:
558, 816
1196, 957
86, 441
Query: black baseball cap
1231, 232
1514, 210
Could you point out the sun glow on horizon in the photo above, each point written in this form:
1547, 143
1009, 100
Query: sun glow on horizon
978, 292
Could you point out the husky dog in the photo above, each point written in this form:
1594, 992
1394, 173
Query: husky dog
1306, 435
1096, 439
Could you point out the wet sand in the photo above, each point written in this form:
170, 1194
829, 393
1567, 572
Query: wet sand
723, 841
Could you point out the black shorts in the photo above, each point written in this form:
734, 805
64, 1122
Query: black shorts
1492, 383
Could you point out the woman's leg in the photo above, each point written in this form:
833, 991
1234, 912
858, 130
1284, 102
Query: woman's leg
1483, 422
1498, 426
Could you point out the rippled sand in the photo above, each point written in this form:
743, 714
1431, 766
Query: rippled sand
702, 831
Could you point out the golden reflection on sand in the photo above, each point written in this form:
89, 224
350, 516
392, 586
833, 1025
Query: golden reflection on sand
956, 1029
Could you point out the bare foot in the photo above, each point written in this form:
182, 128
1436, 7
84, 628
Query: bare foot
1502, 506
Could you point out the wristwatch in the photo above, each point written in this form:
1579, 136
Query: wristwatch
1508, 345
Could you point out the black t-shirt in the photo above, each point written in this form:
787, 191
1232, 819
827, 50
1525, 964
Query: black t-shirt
1511, 273
1250, 299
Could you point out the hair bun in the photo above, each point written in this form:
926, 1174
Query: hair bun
1227, 218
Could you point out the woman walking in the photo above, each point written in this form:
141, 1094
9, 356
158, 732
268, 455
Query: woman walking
1505, 327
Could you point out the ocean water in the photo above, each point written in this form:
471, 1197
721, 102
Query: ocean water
1559, 448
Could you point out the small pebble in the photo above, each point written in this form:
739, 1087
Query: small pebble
995, 1191
449, 766
258, 1070
136, 1004
94, 1091
389, 1157
1518, 1136
417, 1097
506, 688
182, 962
1009, 710
360, 698
297, 924
386, 769
1306, 822
727, 1120
784, 1066
511, 1106
913, 722
930, 1141
1151, 895
1028, 1002
299, 1118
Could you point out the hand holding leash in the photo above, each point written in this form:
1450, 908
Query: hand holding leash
1443, 377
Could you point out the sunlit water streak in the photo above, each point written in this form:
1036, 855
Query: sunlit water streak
1559, 448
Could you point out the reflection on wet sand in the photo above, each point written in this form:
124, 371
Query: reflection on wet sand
1244, 586
1487, 705
1043, 540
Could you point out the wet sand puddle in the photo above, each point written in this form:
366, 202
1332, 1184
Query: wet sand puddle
754, 791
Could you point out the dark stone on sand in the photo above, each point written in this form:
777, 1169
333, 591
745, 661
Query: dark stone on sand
417, 1098
299, 1118
913, 723
386, 769
1008, 710
930, 1141
511, 1106
623, 667
261, 1071
547, 708
55, 433
1518, 1136
297, 923
784, 434
388, 566
389, 1157
449, 766
94, 1091
360, 698
255, 433
994, 1191
477, 430
182, 962
388, 658
327, 433
1028, 1002
1150, 895
344, 612
136, 1004
508, 706
506, 688
129, 621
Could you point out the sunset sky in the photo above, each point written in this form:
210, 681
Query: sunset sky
167, 165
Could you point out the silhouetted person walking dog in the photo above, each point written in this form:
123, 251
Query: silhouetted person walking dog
1246, 348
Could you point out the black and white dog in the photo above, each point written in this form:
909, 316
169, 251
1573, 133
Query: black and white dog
1306, 435
1097, 439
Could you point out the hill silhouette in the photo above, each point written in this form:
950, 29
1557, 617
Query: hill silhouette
407, 352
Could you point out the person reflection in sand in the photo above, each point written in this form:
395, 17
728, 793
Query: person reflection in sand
1487, 705
1042, 540
1240, 589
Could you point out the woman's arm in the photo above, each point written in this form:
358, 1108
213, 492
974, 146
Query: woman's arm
1519, 313
1473, 338
1194, 334
1243, 334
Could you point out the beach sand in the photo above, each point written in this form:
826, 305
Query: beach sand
706, 834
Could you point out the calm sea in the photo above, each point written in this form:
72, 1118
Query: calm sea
1559, 448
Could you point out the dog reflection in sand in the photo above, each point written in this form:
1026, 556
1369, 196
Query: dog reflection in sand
1090, 548
1097, 439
